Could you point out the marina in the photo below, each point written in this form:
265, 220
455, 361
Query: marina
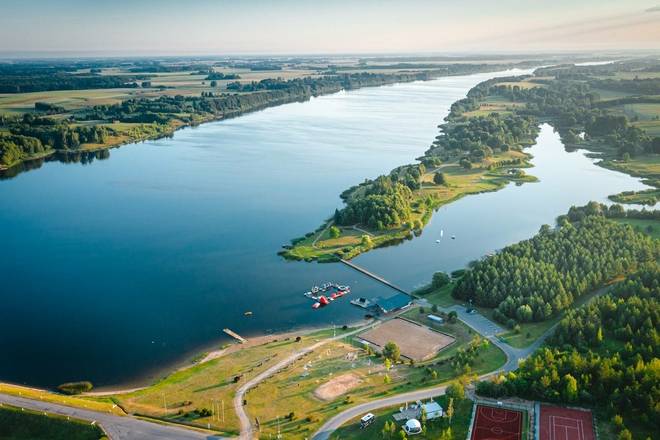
326, 293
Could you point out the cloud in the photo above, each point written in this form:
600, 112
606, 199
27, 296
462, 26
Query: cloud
653, 9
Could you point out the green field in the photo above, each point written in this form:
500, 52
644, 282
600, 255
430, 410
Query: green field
460, 423
100, 404
17, 424
183, 395
650, 227
645, 197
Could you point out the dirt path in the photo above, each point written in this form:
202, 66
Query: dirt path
246, 430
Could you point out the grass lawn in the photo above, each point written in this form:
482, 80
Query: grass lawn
92, 403
460, 423
176, 397
17, 424
297, 388
442, 296
650, 227
647, 165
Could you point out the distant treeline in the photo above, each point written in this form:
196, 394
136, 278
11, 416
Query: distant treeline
32, 135
39, 82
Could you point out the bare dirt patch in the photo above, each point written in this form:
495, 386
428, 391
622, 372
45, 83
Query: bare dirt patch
416, 341
337, 386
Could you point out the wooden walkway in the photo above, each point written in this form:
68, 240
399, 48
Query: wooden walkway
235, 335
374, 276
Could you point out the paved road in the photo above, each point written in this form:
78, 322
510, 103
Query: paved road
514, 356
117, 428
477, 321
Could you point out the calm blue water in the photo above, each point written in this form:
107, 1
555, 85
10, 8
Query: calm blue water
111, 270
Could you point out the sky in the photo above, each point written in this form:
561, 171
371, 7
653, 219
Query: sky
218, 27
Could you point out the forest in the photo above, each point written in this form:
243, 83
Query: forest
478, 137
572, 99
33, 135
604, 354
537, 278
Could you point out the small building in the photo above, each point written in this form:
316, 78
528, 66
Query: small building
399, 301
412, 427
433, 410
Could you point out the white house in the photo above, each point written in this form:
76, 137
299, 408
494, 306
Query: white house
433, 410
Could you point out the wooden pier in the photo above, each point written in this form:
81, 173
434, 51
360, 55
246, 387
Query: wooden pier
374, 276
235, 335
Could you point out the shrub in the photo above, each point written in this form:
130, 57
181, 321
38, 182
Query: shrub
75, 387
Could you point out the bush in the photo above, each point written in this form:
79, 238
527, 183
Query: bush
440, 279
439, 179
456, 391
334, 232
392, 351
75, 387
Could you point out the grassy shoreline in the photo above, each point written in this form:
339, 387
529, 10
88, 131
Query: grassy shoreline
320, 246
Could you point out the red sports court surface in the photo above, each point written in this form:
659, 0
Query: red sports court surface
565, 424
492, 423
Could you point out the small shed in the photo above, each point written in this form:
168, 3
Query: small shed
433, 410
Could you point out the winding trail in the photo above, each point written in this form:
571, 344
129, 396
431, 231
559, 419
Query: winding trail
246, 429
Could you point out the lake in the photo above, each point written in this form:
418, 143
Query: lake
113, 270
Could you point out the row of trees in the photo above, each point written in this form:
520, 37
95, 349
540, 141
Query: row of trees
31, 136
534, 279
606, 354
38, 82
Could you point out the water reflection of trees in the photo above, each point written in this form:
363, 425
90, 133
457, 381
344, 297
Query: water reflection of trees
70, 157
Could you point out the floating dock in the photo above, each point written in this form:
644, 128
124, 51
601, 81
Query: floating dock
235, 335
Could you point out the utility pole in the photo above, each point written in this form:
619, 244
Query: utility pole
223, 411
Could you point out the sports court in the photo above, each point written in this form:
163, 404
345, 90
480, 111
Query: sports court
415, 341
558, 423
492, 423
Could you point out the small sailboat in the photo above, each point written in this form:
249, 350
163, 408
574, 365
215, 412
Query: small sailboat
453, 237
